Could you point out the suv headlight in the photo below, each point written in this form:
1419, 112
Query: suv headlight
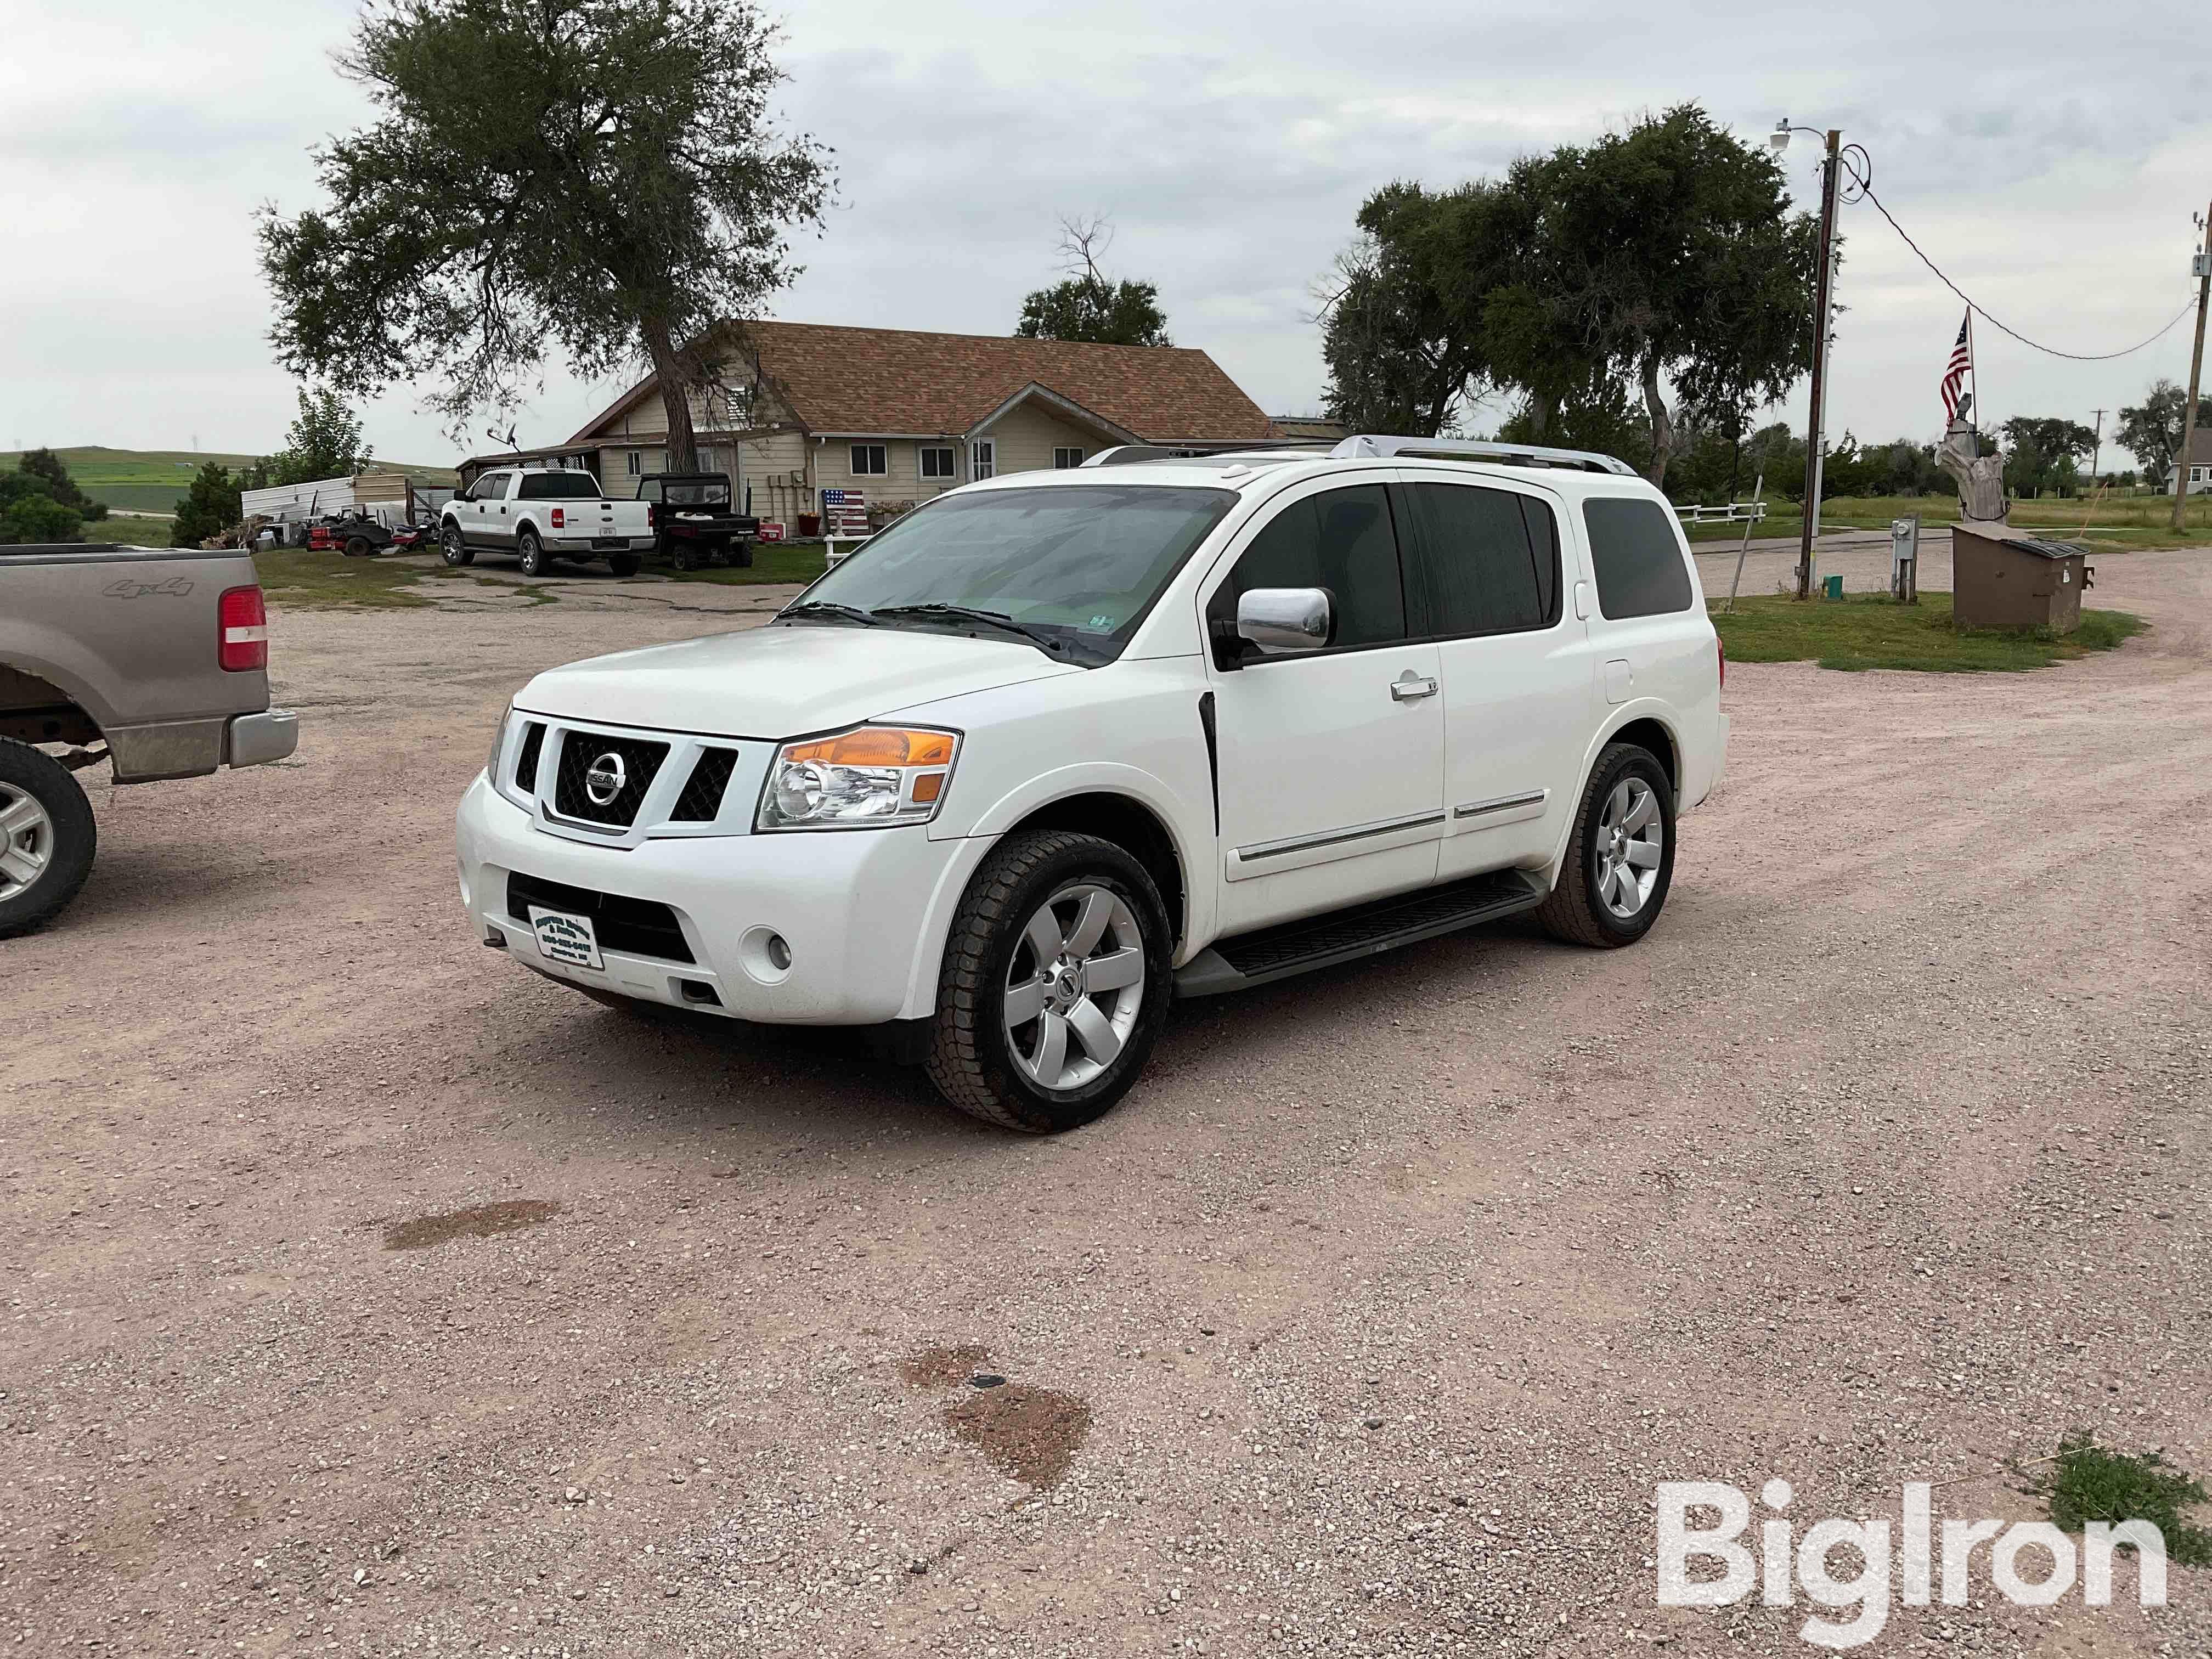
865, 779
498, 740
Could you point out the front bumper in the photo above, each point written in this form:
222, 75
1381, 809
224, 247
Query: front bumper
864, 912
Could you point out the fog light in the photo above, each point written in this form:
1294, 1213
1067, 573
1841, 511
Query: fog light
779, 953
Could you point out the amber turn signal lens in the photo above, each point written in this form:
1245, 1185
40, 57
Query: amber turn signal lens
928, 787
877, 745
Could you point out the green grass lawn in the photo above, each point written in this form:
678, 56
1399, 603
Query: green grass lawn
295, 576
2114, 521
132, 531
1871, 630
773, 561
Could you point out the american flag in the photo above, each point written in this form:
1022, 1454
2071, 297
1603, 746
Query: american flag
1955, 372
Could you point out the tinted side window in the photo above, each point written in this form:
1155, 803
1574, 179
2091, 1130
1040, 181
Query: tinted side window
1636, 559
492, 487
1488, 562
1341, 540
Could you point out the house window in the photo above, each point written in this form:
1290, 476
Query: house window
633, 462
985, 454
1064, 458
937, 462
868, 461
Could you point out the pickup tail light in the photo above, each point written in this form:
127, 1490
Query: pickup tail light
652, 516
560, 518
241, 630
1721, 646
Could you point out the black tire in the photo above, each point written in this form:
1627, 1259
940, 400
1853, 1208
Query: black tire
741, 555
63, 841
679, 556
972, 1059
452, 549
530, 552
359, 547
1576, 910
624, 564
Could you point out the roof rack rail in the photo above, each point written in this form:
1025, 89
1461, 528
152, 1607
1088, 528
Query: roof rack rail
1131, 454
1367, 446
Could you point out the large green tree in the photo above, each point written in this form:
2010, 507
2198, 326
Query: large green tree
1663, 264
211, 506
1089, 305
45, 464
2152, 430
323, 443
599, 181
29, 513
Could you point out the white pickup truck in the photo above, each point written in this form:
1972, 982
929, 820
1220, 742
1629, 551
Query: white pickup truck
542, 514
1059, 747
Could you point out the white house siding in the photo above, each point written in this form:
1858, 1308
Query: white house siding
1027, 434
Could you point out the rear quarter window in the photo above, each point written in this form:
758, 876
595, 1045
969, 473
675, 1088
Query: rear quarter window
1635, 558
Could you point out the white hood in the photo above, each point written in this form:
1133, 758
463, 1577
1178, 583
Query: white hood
782, 681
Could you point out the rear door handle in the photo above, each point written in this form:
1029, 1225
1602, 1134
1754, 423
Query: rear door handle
1410, 687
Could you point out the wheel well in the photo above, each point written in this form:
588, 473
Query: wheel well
35, 710
1129, 825
1651, 735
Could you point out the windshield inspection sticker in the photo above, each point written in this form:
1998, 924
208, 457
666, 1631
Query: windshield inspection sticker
565, 938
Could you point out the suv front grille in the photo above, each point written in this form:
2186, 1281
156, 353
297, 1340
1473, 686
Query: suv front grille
702, 799
634, 926
525, 764
579, 752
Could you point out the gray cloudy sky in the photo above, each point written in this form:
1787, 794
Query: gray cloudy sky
2048, 156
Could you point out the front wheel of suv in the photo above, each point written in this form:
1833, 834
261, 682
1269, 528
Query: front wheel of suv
1055, 983
1621, 861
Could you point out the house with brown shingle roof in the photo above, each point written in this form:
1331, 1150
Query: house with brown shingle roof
902, 416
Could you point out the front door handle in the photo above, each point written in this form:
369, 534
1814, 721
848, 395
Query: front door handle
1410, 687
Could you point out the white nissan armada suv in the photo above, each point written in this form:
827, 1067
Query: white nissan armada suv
1059, 747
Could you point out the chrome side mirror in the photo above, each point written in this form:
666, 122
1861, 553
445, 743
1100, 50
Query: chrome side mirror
1279, 619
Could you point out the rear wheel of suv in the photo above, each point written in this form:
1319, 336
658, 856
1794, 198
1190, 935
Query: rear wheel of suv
452, 549
531, 552
47, 837
1055, 985
1621, 861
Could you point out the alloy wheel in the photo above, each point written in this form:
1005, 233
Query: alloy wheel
27, 840
1630, 837
1074, 986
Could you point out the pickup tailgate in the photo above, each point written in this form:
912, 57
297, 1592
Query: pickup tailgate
602, 518
133, 637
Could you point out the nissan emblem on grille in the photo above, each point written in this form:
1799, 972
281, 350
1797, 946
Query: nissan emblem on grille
605, 779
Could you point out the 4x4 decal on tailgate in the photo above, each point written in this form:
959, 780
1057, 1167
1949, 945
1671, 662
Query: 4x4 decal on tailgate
175, 588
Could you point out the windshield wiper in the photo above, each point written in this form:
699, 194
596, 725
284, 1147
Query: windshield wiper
967, 613
831, 608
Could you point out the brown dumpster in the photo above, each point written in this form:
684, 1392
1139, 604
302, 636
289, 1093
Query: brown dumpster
1999, 579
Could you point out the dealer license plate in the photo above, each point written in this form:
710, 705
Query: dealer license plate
564, 937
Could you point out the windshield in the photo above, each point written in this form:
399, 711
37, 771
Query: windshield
560, 487
697, 492
1077, 566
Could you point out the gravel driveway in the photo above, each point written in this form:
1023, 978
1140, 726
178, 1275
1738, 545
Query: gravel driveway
1364, 1327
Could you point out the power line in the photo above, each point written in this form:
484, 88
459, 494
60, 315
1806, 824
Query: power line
2034, 345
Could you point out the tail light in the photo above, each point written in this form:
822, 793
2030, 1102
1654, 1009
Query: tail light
1721, 646
241, 630
560, 518
652, 515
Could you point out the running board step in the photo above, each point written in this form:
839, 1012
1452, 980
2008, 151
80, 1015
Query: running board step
1295, 947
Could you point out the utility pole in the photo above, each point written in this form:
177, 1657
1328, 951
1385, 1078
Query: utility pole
1817, 443
2195, 370
2097, 452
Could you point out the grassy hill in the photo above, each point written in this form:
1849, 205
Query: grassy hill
151, 480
